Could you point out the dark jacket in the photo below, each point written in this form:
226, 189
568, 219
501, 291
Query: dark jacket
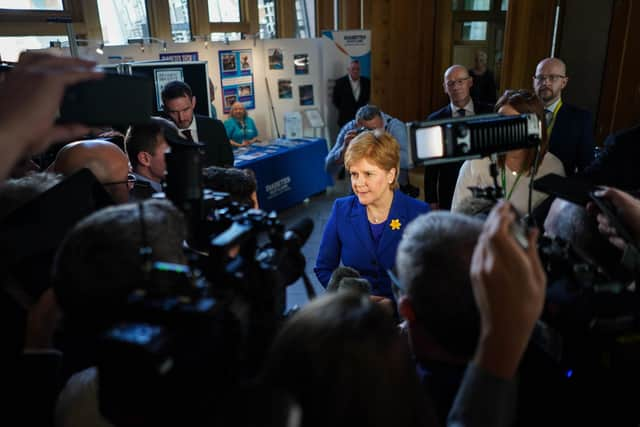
572, 138
440, 180
617, 166
218, 150
344, 101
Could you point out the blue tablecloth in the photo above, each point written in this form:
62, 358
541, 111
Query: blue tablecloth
287, 171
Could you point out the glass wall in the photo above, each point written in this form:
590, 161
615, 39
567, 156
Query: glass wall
180, 26
122, 20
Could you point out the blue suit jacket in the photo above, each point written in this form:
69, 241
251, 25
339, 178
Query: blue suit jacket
347, 238
572, 138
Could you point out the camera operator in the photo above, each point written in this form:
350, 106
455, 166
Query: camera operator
37, 84
433, 261
509, 288
106, 161
239, 183
97, 267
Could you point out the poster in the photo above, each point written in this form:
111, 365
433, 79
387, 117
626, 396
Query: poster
180, 57
301, 63
275, 59
285, 89
236, 75
161, 77
306, 94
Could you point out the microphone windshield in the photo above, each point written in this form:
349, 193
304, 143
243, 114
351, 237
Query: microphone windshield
300, 231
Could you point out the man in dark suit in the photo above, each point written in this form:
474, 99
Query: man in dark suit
570, 128
350, 93
179, 103
440, 180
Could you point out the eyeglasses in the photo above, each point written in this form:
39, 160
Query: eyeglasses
541, 78
131, 181
452, 83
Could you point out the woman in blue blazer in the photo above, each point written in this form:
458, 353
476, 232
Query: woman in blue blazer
363, 230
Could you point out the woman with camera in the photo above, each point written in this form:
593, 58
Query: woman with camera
363, 230
515, 167
241, 129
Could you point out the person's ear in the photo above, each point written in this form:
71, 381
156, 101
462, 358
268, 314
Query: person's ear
391, 176
144, 158
193, 102
405, 308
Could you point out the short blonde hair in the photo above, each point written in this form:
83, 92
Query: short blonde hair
378, 147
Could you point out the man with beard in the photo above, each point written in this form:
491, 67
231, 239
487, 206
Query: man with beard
570, 129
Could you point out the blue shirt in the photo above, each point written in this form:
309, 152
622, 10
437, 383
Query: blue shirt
237, 133
395, 127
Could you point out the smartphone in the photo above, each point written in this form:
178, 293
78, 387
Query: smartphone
115, 100
570, 189
607, 208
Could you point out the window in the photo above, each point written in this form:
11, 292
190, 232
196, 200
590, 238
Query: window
305, 27
474, 30
224, 37
180, 27
504, 5
32, 4
10, 47
224, 10
267, 19
476, 5
122, 20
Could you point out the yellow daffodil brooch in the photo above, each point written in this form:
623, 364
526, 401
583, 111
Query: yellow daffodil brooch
395, 224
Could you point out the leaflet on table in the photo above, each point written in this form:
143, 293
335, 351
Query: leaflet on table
251, 156
290, 142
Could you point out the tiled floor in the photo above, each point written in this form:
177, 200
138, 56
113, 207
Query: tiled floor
318, 209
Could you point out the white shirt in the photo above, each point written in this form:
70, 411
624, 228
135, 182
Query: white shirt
355, 88
475, 173
469, 110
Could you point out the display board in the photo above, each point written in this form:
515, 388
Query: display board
195, 74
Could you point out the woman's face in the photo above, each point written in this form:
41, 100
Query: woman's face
237, 111
369, 182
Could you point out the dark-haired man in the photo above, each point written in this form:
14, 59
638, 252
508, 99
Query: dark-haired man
146, 146
179, 103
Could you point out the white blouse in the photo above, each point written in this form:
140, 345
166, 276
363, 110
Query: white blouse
475, 173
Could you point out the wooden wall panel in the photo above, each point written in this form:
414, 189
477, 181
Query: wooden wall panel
620, 96
442, 54
349, 15
402, 60
324, 16
528, 37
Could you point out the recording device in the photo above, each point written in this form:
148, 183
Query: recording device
448, 140
187, 327
115, 100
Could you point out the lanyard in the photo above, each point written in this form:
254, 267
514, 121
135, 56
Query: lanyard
504, 183
553, 120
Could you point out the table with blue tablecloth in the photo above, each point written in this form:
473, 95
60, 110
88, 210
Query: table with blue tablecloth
287, 170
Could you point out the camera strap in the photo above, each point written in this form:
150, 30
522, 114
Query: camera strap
504, 183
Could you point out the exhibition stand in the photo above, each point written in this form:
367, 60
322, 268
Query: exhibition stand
287, 170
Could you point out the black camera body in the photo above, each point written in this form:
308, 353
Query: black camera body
191, 334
